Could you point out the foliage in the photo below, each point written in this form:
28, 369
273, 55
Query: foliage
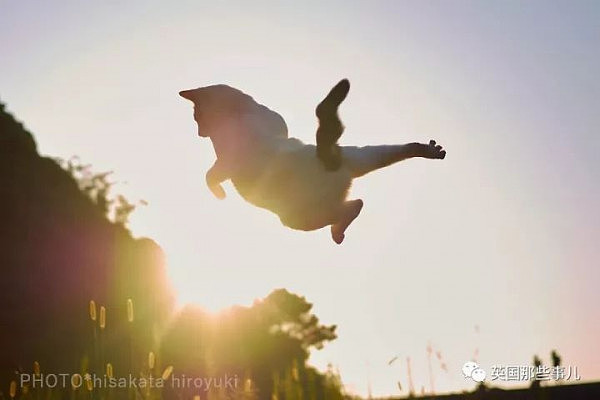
268, 343
97, 187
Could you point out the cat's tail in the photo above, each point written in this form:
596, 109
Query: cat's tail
330, 126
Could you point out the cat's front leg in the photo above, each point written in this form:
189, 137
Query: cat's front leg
214, 176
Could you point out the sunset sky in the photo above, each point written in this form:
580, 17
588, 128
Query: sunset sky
494, 248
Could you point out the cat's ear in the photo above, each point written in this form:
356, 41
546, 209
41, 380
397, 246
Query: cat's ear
188, 94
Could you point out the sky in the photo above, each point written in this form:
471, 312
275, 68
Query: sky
489, 253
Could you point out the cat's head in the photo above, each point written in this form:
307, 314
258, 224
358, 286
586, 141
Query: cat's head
214, 105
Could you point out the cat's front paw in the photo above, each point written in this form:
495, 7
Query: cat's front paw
218, 191
434, 151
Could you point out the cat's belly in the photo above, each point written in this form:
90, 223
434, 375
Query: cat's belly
294, 184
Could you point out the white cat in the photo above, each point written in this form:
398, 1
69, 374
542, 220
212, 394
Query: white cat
304, 184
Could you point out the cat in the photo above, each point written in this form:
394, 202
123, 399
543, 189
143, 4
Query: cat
305, 185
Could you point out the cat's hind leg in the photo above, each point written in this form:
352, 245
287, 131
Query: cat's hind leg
348, 213
362, 160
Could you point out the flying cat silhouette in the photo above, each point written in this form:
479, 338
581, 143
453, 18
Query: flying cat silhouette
304, 184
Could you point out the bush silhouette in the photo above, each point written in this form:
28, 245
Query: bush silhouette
58, 251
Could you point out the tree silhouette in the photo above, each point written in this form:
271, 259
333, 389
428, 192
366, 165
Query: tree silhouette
268, 343
98, 187
58, 251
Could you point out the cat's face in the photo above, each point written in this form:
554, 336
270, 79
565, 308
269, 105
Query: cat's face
214, 105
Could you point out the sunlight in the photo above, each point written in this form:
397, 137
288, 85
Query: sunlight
211, 290
204, 269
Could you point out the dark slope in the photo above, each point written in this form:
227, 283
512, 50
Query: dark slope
57, 252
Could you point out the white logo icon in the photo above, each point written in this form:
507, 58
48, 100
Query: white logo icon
472, 370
